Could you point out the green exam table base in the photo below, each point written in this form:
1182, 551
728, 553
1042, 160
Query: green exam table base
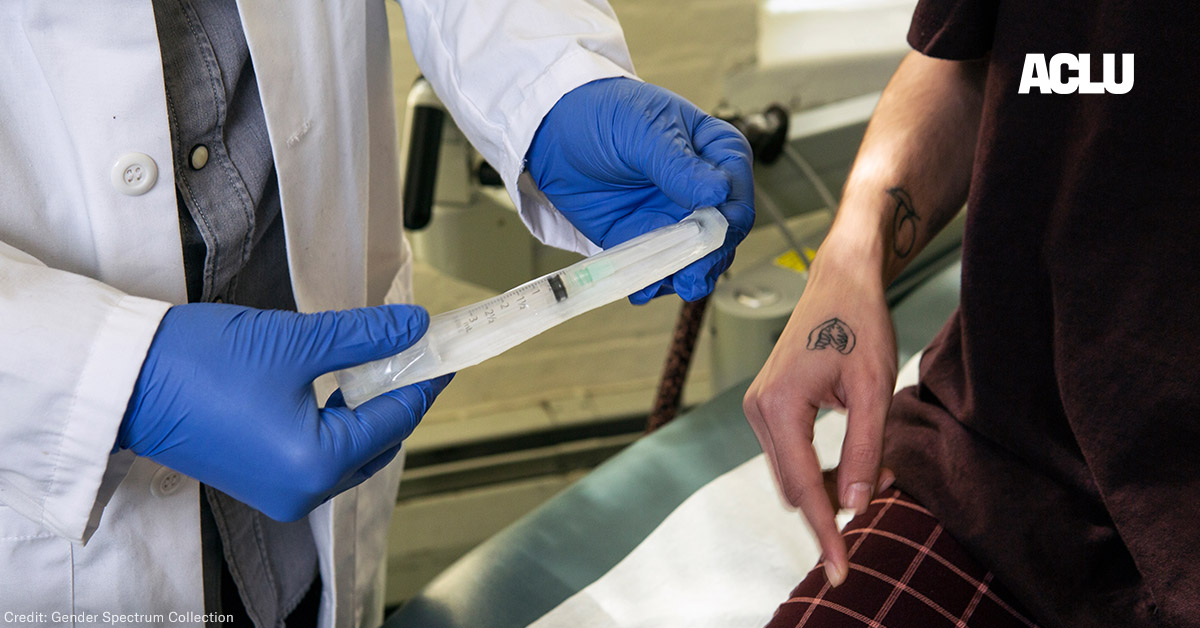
562, 564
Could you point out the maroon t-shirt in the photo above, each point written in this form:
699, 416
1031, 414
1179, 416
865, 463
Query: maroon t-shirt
1056, 429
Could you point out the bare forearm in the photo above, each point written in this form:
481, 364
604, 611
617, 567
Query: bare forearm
914, 166
839, 349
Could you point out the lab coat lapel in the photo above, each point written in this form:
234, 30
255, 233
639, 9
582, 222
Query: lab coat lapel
318, 132
316, 128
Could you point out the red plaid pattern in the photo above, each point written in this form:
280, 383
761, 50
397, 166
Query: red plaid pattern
906, 571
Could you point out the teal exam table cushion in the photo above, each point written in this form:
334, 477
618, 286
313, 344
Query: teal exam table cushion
540, 568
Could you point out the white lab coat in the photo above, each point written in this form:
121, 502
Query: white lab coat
86, 271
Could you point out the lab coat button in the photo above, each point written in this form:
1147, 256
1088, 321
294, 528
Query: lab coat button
134, 174
165, 483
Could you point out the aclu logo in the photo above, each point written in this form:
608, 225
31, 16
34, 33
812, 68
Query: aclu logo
1066, 73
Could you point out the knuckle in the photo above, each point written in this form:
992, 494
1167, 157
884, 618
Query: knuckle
291, 457
861, 454
750, 402
288, 511
863, 384
874, 381
871, 398
317, 482
882, 383
307, 473
772, 402
795, 492
867, 382
291, 500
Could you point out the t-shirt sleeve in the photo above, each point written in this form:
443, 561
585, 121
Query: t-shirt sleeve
953, 29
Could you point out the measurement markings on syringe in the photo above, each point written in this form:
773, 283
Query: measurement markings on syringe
523, 298
468, 335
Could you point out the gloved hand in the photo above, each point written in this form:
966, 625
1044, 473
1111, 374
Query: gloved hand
619, 158
225, 396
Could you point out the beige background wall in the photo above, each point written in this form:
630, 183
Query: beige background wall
687, 46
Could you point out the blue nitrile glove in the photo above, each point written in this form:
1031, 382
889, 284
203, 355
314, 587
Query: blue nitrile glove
619, 157
225, 396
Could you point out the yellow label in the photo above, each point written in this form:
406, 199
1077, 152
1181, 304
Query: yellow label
792, 260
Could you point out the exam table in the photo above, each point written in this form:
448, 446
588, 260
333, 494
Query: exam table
682, 528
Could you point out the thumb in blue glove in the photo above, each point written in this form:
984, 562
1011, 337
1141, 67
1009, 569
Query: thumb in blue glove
225, 396
619, 157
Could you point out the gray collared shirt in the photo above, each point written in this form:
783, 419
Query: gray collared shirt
234, 251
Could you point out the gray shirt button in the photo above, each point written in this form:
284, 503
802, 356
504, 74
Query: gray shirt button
199, 157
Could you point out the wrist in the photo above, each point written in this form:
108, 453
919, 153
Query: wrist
125, 438
853, 248
565, 116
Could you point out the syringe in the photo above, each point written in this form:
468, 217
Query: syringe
469, 335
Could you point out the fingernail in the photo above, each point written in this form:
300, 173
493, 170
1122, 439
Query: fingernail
887, 482
836, 575
857, 496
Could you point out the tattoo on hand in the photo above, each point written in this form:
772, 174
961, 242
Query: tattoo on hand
904, 222
833, 333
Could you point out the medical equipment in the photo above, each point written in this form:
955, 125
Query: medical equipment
469, 335
578, 546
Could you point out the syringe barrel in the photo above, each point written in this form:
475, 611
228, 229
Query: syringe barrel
366, 381
469, 335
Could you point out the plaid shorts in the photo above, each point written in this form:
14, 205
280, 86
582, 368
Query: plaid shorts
906, 571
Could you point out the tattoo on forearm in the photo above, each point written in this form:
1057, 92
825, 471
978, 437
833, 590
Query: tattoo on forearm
904, 222
833, 333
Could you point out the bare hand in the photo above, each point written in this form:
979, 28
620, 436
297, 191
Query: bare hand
838, 350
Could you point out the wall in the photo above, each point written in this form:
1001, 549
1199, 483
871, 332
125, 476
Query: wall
687, 46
